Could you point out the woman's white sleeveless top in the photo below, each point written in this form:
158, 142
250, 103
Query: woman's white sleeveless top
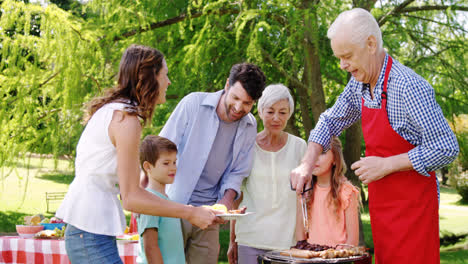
92, 203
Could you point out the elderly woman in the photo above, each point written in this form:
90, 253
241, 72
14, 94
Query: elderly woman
267, 189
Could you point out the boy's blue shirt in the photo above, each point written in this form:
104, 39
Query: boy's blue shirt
170, 239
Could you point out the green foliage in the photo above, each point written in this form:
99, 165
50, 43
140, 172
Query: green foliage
54, 58
458, 177
458, 171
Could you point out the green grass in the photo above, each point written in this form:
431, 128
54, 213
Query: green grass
454, 257
23, 189
22, 192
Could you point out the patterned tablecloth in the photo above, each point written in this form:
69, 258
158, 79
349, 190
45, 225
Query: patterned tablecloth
37, 251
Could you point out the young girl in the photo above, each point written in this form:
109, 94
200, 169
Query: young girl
161, 237
107, 163
332, 204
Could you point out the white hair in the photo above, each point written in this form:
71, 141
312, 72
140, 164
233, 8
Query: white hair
359, 23
274, 93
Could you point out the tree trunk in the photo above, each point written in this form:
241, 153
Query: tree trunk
290, 126
312, 73
352, 150
301, 98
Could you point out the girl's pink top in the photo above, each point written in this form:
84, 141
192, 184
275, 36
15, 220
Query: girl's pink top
325, 226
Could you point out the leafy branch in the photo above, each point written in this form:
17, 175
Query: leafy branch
381, 20
403, 8
451, 98
444, 62
434, 7
174, 20
283, 72
436, 22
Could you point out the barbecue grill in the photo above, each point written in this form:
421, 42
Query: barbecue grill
274, 257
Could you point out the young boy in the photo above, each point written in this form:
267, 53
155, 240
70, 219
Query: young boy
161, 237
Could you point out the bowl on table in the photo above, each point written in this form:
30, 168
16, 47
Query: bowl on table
26, 231
52, 226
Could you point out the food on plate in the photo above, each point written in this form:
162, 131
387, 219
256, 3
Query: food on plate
342, 253
46, 234
238, 211
305, 250
56, 233
223, 208
56, 220
303, 244
297, 253
325, 254
217, 207
35, 220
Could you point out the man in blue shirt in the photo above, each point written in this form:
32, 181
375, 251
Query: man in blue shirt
406, 137
215, 134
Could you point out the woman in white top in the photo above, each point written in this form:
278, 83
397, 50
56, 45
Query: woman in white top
107, 163
267, 190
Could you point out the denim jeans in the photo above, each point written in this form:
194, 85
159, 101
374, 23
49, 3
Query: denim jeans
85, 247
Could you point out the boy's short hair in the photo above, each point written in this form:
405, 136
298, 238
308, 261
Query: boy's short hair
152, 146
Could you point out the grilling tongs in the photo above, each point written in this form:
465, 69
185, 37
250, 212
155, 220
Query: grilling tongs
305, 217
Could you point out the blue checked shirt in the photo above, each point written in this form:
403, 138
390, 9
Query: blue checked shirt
412, 112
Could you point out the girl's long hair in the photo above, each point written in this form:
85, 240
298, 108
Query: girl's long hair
137, 84
337, 178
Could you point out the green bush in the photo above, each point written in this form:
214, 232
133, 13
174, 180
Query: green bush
458, 171
458, 178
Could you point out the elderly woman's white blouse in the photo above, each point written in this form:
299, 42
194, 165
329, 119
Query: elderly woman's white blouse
268, 194
92, 203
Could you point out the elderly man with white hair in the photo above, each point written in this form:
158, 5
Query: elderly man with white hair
267, 189
406, 135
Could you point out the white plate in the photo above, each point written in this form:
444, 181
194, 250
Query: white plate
232, 216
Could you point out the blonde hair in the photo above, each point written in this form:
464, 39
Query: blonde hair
359, 23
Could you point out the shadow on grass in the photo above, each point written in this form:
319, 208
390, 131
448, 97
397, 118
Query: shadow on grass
449, 190
22, 165
454, 257
462, 202
9, 220
58, 178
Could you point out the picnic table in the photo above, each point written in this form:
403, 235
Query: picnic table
14, 249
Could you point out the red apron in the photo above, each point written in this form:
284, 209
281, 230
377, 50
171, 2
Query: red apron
403, 206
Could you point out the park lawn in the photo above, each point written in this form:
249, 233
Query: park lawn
22, 192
